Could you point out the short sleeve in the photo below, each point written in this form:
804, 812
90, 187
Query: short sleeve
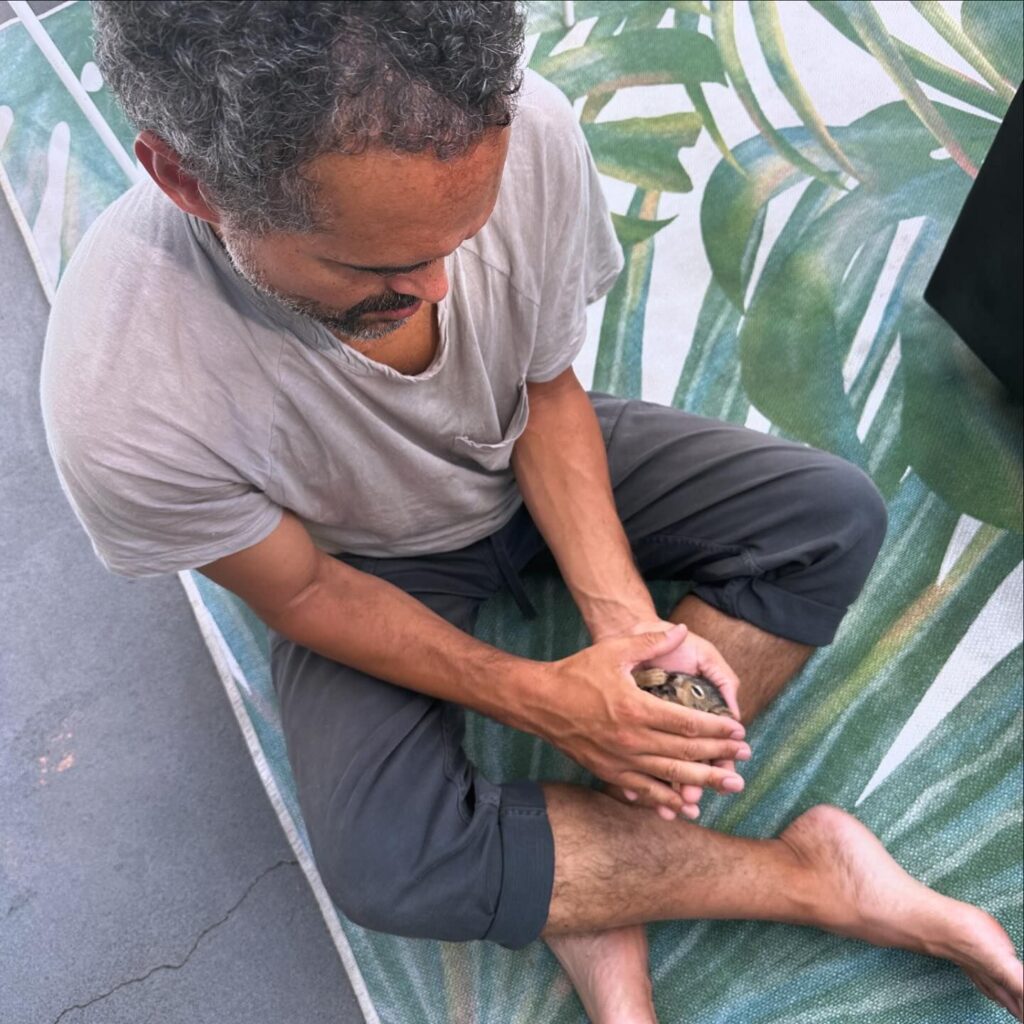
147, 516
583, 256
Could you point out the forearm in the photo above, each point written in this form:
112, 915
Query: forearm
562, 470
371, 625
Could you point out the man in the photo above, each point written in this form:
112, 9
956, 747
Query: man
325, 356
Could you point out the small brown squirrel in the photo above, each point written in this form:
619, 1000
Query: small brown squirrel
681, 688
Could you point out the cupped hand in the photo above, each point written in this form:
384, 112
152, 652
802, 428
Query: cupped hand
698, 657
595, 713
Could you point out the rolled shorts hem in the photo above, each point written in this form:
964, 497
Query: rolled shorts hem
774, 609
528, 866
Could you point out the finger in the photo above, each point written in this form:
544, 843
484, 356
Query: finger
688, 773
644, 646
714, 666
651, 791
732, 700
701, 750
627, 797
633, 799
673, 718
711, 664
691, 795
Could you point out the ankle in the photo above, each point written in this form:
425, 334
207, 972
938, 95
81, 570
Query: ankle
609, 971
808, 899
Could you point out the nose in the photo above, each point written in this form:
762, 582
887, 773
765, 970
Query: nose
429, 284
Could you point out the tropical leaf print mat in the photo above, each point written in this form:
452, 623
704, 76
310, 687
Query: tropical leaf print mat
783, 178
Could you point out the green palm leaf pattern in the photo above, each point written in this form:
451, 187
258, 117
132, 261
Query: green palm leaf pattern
883, 48
644, 150
806, 333
955, 35
619, 369
933, 72
722, 25
769, 32
632, 231
60, 174
997, 30
644, 57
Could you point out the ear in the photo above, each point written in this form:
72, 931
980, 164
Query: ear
164, 166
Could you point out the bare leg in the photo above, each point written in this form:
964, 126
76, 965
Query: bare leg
825, 869
618, 866
609, 968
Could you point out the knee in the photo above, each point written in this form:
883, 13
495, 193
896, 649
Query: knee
860, 506
359, 885
846, 511
362, 871
395, 870
364, 877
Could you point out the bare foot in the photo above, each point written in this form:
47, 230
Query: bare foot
867, 895
609, 971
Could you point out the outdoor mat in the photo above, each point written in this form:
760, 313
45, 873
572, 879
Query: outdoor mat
784, 177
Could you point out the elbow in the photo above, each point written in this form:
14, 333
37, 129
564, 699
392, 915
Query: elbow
297, 607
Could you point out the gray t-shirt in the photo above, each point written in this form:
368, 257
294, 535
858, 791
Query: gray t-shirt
183, 410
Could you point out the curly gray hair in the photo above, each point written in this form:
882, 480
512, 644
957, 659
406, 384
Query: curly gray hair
248, 91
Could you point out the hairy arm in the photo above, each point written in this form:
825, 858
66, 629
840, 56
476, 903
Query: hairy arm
354, 618
561, 466
562, 470
584, 704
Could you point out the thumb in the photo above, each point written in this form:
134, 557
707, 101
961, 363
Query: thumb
645, 646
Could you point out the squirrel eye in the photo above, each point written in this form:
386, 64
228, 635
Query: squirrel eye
697, 691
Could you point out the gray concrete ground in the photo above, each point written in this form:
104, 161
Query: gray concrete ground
143, 874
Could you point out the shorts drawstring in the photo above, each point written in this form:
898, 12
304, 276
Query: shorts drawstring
511, 577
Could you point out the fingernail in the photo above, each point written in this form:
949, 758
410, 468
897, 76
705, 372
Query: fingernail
744, 753
733, 783
667, 813
629, 794
692, 812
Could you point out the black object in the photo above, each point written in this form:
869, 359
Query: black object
977, 284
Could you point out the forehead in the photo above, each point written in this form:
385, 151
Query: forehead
382, 208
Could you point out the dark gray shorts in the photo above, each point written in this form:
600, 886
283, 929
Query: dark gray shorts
408, 837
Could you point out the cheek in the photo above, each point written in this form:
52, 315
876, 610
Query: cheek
313, 280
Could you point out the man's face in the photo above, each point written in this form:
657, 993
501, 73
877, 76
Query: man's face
389, 220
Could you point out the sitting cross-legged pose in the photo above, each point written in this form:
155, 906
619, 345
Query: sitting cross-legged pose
323, 354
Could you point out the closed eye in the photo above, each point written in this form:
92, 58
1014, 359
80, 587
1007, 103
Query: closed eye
384, 271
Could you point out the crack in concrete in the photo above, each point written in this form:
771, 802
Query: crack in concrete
195, 945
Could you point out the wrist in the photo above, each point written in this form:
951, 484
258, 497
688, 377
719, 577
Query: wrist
614, 618
522, 690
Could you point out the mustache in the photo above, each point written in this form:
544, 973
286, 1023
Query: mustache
385, 304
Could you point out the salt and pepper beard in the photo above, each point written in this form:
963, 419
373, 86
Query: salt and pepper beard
347, 323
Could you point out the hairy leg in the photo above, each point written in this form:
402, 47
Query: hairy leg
615, 869
609, 968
